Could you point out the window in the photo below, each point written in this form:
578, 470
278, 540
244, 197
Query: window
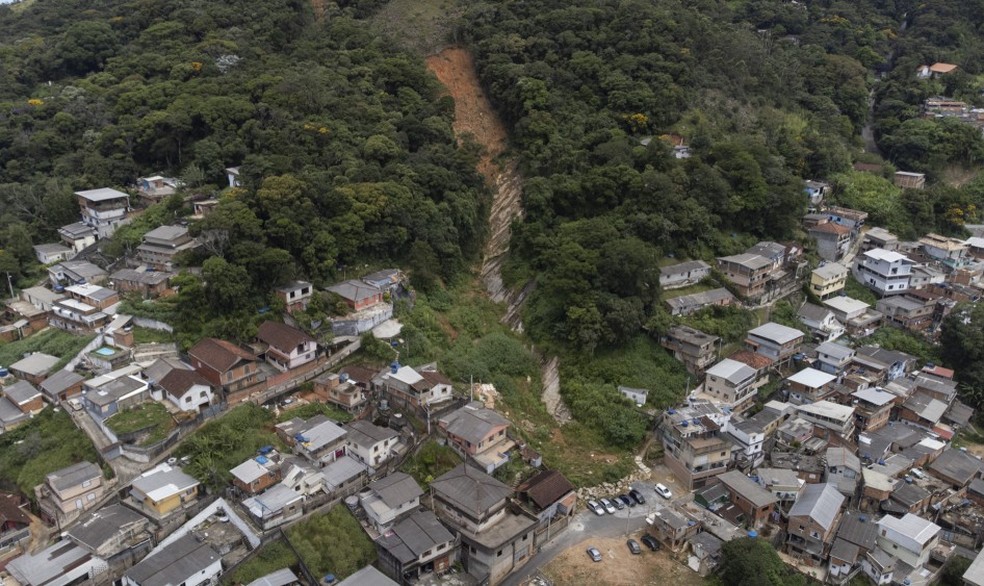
499, 553
86, 484
187, 400
91, 496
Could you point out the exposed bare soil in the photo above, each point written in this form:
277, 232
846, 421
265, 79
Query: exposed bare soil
618, 566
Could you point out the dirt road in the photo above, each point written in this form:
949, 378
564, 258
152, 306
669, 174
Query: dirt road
618, 566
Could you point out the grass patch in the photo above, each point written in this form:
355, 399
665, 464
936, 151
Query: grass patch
225, 443
333, 543
311, 409
51, 341
151, 336
705, 285
431, 21
967, 436
143, 416
856, 290
430, 462
47, 443
271, 557
892, 338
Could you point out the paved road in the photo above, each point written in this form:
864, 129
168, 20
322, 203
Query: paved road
587, 524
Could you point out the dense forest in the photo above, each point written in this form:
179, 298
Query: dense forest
346, 149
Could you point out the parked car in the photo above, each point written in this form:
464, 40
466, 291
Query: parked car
663, 491
618, 503
594, 506
634, 546
637, 496
609, 507
594, 554
625, 498
650, 542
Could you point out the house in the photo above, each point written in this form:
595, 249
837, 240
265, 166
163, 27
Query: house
828, 279
956, 468
749, 439
833, 240
67, 493
408, 387
853, 219
52, 253
94, 295
255, 475
224, 364
909, 180
732, 383
748, 272
695, 448
672, 528
111, 531
939, 388
784, 484
707, 553
950, 252
276, 506
879, 238
754, 503
187, 390
295, 295
922, 410
62, 563
883, 271
357, 294
367, 576
479, 433
687, 304
857, 316
25, 396
816, 191
974, 575
834, 358
695, 349
186, 560
339, 390
809, 386
494, 540
760, 364
204, 207
906, 312
301, 476
843, 470
19, 319
75, 272
812, 523
775, 341
15, 524
289, 347
147, 284
108, 395
416, 546
77, 236
370, 444
10, 415
104, 210
162, 244
319, 439
855, 538
683, 274
892, 364
282, 577
35, 367
909, 539
156, 188
345, 476
163, 490
637, 396
872, 408
386, 280
835, 418
549, 494
390, 499
41, 297
935, 70
77, 317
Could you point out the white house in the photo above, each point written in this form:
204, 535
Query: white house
732, 382
883, 271
369, 443
52, 253
185, 561
910, 539
389, 499
187, 389
683, 274
833, 358
289, 347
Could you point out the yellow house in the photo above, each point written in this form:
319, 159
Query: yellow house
164, 489
827, 280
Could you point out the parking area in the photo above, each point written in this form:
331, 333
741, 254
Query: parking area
618, 566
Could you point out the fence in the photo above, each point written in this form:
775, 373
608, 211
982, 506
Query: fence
95, 343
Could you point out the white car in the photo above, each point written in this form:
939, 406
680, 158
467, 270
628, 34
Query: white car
609, 507
664, 492
596, 508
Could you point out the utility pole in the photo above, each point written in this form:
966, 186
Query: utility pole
11, 285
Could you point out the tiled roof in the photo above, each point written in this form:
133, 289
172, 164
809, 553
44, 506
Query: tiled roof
282, 336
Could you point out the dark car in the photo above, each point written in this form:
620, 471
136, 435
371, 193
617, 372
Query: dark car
637, 496
627, 500
650, 542
634, 546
